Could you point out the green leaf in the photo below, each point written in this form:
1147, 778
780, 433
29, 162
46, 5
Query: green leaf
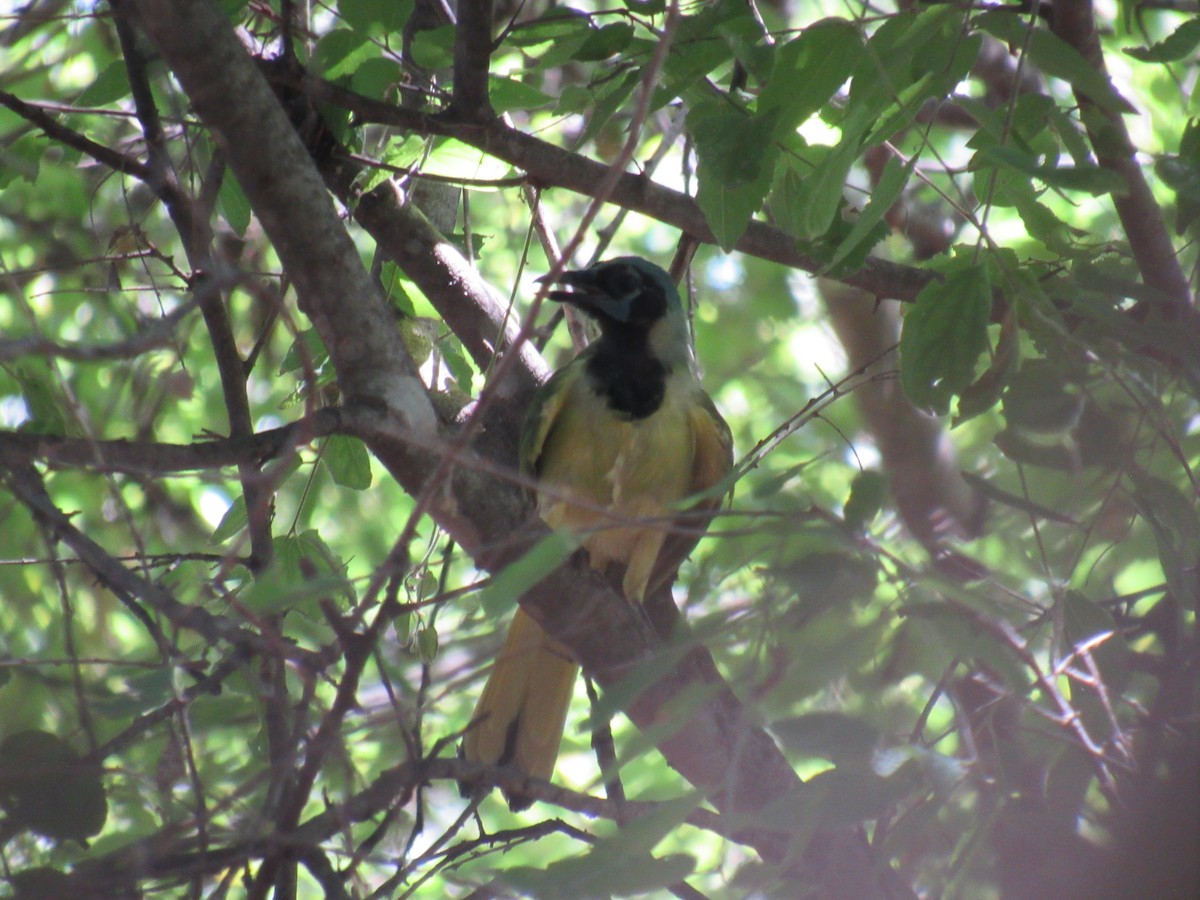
41, 397
557, 24
304, 569
375, 17
599, 875
137, 693
727, 210
46, 787
837, 737
393, 281
427, 644
891, 184
234, 205
1085, 622
307, 346
823, 190
457, 361
830, 646
606, 41
621, 864
22, 159
508, 93
1179, 174
434, 47
1182, 173
698, 48
608, 99
944, 333
348, 461
1039, 400
377, 77
110, 86
1176, 526
736, 167
1055, 57
985, 391
952, 632
340, 52
905, 49
821, 575
808, 70
858, 794
514, 580
234, 520
1089, 179
868, 492
1180, 44
729, 142
788, 193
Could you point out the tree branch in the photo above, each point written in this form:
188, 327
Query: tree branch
472, 53
549, 165
154, 334
55, 130
274, 170
1073, 21
26, 485
152, 458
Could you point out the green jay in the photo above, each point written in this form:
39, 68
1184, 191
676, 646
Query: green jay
615, 441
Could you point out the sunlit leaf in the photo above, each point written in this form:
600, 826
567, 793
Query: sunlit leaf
110, 86
807, 71
1179, 44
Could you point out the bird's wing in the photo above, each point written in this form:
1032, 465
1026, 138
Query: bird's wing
543, 412
712, 461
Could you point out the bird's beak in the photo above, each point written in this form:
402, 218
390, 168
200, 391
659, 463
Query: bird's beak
585, 294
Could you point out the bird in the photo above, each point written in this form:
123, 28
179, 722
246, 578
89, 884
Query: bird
615, 442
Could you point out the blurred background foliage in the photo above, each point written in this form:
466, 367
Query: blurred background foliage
974, 627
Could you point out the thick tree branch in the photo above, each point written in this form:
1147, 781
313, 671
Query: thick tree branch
1141, 217
465, 301
472, 54
274, 170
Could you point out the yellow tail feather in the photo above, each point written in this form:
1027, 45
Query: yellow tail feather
521, 713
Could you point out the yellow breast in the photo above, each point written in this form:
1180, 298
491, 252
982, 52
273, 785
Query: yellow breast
617, 481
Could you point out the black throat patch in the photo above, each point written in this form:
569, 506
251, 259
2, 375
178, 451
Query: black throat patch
623, 370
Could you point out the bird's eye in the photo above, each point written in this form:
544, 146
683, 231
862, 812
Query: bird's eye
622, 281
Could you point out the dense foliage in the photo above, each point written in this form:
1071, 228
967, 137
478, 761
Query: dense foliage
262, 527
